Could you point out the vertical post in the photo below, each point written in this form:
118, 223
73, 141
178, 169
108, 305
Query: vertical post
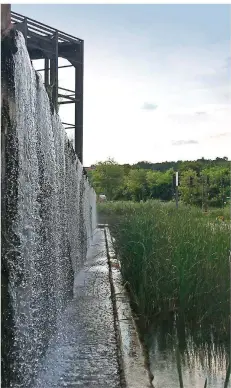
79, 106
25, 30
5, 18
177, 189
46, 75
54, 72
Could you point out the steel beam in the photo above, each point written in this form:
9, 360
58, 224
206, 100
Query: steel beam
44, 42
46, 74
54, 71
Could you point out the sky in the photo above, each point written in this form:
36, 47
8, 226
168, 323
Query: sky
156, 78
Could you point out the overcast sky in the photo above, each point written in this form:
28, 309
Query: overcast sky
156, 78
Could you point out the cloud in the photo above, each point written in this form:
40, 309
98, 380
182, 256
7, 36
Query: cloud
185, 116
200, 113
149, 106
186, 85
218, 135
227, 63
184, 142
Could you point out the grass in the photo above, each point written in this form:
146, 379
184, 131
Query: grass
215, 213
173, 262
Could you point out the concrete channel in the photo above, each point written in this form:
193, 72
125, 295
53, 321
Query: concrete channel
97, 343
135, 372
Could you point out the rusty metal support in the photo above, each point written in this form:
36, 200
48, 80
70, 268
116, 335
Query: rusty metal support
67, 90
25, 30
79, 108
60, 67
70, 125
68, 97
66, 102
46, 74
5, 18
47, 43
54, 71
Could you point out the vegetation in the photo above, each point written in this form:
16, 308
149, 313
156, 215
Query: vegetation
174, 261
107, 178
202, 183
180, 165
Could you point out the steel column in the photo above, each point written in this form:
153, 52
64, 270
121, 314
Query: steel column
46, 74
79, 107
54, 72
47, 43
25, 30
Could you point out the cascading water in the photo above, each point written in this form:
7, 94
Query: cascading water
54, 222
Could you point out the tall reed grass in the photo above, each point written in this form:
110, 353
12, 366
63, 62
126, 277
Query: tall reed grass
173, 262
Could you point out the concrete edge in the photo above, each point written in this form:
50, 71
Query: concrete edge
132, 361
102, 226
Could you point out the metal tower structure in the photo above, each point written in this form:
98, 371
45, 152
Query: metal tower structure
49, 44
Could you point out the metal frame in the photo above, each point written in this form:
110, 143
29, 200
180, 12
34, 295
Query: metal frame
44, 42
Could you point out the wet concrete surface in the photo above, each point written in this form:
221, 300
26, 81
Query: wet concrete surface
83, 353
135, 368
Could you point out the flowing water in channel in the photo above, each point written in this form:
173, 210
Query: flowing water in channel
54, 223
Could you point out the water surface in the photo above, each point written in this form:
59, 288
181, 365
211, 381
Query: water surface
200, 357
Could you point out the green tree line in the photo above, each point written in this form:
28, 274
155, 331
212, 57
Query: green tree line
200, 182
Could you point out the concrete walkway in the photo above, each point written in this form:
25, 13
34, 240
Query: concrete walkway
84, 351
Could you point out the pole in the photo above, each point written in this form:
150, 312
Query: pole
46, 76
177, 189
5, 18
54, 71
79, 106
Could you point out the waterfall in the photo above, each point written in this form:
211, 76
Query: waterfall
54, 223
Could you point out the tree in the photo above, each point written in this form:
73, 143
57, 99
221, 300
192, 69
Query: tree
108, 178
218, 182
190, 188
136, 185
160, 184
202, 182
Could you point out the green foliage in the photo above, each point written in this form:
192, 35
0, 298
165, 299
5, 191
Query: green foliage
196, 165
108, 178
209, 187
218, 185
173, 261
136, 185
190, 189
160, 184
204, 183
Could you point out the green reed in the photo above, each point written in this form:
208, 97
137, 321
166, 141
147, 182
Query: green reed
173, 261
